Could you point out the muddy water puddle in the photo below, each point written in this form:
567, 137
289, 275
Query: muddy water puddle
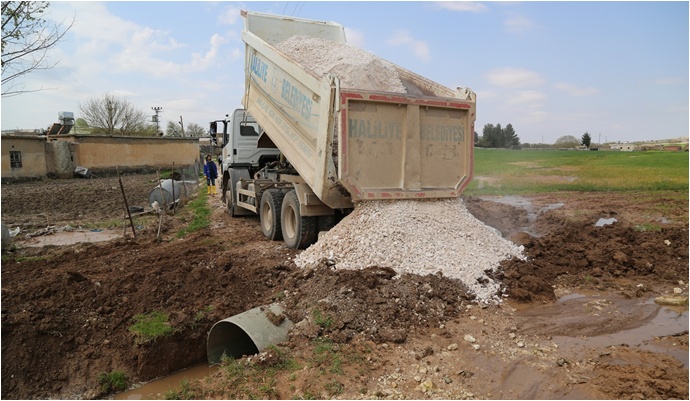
71, 237
578, 322
156, 389
523, 203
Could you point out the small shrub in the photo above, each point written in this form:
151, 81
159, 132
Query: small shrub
113, 381
150, 326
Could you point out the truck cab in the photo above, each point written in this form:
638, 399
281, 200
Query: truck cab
245, 148
240, 141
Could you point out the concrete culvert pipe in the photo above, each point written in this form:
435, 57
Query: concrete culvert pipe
247, 333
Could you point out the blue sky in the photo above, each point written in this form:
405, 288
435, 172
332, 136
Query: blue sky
618, 70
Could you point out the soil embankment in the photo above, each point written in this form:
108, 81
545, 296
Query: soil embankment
67, 310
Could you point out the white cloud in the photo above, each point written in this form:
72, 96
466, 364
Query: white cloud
670, 81
518, 24
354, 37
462, 6
536, 116
528, 98
514, 78
419, 47
200, 62
575, 90
230, 16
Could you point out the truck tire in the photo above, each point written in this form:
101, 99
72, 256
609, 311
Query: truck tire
224, 189
298, 231
269, 214
230, 195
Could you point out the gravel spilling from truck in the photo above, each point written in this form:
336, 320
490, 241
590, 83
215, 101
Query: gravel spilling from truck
419, 237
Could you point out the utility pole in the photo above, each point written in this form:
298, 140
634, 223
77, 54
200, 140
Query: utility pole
155, 117
182, 125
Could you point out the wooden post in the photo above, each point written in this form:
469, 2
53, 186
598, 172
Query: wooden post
122, 188
172, 178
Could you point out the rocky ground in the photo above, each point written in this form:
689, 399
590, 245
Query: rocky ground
579, 320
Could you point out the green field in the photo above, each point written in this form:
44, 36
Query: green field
503, 172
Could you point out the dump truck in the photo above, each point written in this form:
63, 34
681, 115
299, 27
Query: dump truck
325, 125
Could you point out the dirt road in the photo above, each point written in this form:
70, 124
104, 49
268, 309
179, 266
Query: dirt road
580, 320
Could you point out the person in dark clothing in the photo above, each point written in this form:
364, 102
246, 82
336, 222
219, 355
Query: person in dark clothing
211, 173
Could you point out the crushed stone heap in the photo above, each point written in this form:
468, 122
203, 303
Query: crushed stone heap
416, 236
354, 67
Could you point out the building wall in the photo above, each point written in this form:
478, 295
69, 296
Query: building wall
33, 156
100, 152
60, 156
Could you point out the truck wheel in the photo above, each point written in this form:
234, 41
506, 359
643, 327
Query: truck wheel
269, 214
224, 189
298, 231
230, 195
230, 202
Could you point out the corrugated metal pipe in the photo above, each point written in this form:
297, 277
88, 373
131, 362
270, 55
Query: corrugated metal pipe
247, 333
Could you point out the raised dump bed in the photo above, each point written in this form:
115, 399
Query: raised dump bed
354, 126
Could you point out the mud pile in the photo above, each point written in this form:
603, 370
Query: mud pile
417, 237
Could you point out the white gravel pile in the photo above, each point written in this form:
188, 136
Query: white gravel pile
420, 237
354, 67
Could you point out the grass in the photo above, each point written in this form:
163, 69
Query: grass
150, 326
320, 319
203, 313
505, 172
113, 381
201, 215
257, 380
186, 392
327, 356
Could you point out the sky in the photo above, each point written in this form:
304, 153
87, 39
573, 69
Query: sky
616, 70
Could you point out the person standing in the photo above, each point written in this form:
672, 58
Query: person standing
211, 173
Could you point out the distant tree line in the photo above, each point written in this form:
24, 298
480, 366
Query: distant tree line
112, 115
564, 142
494, 136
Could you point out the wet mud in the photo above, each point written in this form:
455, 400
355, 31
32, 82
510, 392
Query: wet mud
580, 320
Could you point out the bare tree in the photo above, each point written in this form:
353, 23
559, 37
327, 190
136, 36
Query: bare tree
26, 39
173, 129
195, 130
110, 115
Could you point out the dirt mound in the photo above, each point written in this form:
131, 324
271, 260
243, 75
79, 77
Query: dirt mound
583, 255
67, 311
371, 303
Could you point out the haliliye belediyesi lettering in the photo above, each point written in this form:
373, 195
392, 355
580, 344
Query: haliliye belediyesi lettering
382, 129
297, 99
